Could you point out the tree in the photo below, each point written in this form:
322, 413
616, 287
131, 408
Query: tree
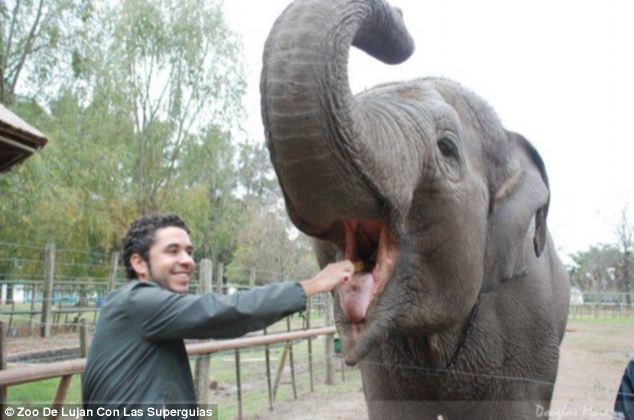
596, 268
206, 197
143, 126
142, 123
72, 193
624, 232
267, 242
37, 40
256, 175
174, 67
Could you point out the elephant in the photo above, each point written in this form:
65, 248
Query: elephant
461, 303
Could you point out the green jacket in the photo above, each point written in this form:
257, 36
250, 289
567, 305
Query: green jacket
137, 355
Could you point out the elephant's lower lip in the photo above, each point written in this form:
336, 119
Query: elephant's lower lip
356, 329
351, 334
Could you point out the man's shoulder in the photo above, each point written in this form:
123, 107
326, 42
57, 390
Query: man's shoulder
143, 297
131, 286
120, 292
121, 296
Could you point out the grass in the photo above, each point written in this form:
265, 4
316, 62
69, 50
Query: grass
256, 402
254, 383
253, 378
255, 392
602, 320
43, 392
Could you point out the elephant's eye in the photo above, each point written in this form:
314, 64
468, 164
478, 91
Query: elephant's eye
447, 147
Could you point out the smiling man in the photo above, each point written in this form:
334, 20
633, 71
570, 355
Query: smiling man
137, 357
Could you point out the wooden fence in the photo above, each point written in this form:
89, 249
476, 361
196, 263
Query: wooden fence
601, 310
67, 369
48, 315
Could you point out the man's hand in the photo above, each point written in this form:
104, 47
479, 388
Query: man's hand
328, 278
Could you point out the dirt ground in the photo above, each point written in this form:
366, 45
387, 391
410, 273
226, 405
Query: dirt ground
593, 359
592, 362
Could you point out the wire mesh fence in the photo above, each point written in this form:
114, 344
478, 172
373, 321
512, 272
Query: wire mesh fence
48, 290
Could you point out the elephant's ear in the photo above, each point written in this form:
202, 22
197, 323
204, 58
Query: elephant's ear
539, 240
520, 201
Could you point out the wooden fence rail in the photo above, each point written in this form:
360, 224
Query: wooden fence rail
66, 369
26, 374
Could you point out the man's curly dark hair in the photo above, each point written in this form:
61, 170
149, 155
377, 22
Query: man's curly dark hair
141, 234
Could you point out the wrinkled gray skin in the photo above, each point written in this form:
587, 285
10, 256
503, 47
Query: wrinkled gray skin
470, 320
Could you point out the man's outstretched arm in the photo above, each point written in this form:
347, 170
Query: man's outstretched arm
163, 315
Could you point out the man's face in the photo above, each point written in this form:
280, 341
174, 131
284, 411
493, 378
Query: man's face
170, 259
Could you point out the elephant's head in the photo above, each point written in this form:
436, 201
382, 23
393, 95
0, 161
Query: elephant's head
418, 179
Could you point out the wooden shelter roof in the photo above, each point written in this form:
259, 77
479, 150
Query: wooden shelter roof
18, 140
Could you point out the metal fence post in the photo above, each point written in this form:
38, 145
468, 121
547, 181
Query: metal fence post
3, 366
291, 360
219, 284
32, 326
113, 273
238, 384
330, 342
49, 280
83, 344
83, 338
267, 354
343, 370
310, 347
202, 362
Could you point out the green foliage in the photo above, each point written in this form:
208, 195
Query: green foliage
141, 99
625, 235
607, 267
264, 243
256, 174
209, 179
172, 67
596, 268
37, 39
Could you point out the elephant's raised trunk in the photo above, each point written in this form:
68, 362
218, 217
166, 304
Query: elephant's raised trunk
316, 132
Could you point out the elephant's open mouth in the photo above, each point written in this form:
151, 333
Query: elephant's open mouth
368, 242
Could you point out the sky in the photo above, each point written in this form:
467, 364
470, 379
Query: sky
561, 73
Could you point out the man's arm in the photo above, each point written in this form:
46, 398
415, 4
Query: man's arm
160, 314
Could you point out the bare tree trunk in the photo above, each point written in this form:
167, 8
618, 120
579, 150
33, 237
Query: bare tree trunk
627, 259
27, 48
625, 231
2, 64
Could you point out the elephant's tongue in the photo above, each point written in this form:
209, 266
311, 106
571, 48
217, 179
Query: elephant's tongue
355, 296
